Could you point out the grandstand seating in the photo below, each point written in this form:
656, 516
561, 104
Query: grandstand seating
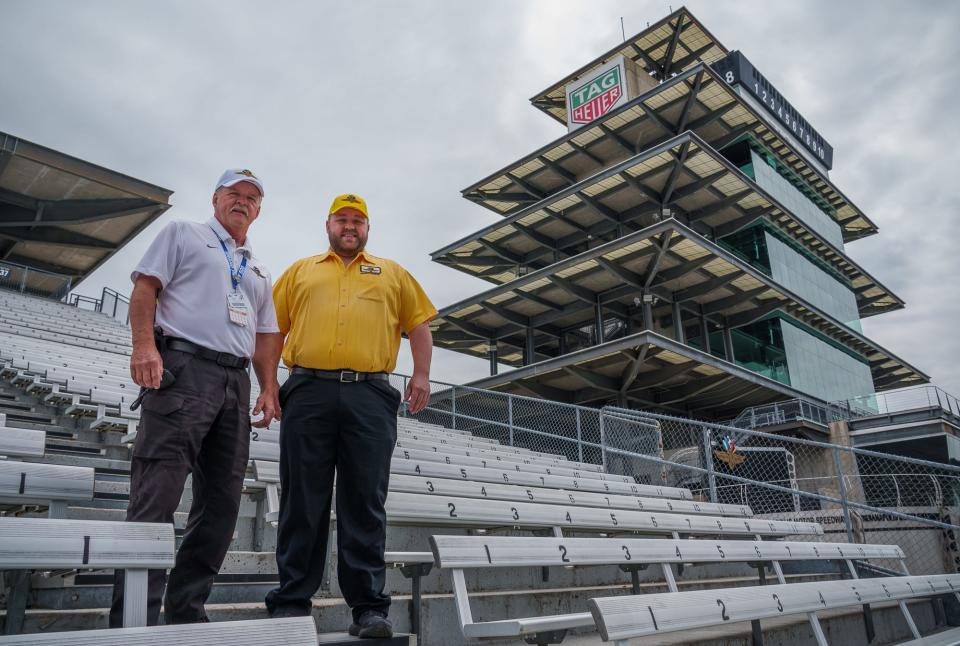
621, 618
64, 384
458, 553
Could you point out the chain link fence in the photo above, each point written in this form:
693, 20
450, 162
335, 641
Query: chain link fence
857, 495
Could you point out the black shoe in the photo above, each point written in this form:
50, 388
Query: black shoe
371, 624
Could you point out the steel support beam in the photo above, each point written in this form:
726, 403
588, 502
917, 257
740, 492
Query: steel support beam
678, 323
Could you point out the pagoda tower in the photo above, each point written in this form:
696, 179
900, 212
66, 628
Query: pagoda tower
681, 247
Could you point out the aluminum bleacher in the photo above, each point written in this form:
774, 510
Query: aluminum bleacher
485, 541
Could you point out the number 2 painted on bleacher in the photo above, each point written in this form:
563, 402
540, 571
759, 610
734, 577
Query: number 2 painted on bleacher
453, 509
779, 604
563, 554
723, 610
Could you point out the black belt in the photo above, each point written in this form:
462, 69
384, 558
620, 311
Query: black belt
344, 376
224, 359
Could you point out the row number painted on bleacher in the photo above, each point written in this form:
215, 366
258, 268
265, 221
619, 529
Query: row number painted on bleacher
723, 610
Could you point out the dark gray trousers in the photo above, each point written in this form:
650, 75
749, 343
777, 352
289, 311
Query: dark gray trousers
201, 426
349, 429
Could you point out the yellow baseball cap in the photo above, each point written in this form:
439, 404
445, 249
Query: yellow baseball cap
349, 200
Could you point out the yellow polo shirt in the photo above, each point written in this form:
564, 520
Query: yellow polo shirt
338, 317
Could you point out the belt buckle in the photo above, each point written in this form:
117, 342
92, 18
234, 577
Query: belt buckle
343, 373
225, 360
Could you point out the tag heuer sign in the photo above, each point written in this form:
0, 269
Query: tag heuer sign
593, 97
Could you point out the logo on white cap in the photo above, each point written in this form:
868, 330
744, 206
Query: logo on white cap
235, 175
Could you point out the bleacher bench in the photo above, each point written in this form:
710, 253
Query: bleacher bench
505, 476
293, 631
458, 553
53, 485
21, 442
496, 491
621, 618
39, 544
419, 509
433, 509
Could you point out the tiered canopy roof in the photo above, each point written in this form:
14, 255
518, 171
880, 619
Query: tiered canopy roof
697, 100
64, 215
684, 176
668, 260
645, 370
668, 47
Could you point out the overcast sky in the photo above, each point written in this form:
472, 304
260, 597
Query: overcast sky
406, 103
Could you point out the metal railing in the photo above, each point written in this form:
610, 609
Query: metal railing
894, 401
792, 410
905, 399
111, 302
887, 490
33, 282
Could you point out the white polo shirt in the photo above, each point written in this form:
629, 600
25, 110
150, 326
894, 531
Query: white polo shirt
187, 259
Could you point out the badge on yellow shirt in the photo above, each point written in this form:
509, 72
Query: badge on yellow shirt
369, 269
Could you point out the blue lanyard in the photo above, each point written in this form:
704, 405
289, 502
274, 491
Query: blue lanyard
235, 277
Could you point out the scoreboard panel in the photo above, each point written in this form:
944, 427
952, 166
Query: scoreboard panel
737, 70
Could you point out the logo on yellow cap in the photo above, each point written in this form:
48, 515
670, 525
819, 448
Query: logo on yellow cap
349, 200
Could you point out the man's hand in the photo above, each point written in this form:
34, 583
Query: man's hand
146, 365
418, 393
268, 403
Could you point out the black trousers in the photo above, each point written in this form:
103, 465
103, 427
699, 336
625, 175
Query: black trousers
350, 429
200, 425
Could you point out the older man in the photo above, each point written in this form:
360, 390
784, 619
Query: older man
201, 307
343, 312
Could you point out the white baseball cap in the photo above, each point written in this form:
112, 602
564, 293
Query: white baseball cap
233, 175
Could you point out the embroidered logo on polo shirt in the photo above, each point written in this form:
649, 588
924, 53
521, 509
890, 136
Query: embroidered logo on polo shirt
369, 269
256, 270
